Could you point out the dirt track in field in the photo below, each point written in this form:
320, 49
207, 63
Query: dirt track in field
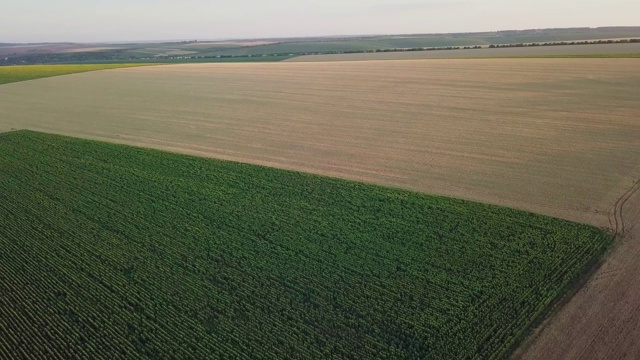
554, 136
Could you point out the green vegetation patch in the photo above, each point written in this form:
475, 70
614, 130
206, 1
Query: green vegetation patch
15, 73
114, 251
200, 59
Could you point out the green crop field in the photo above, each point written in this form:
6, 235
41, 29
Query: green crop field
200, 59
111, 251
9, 74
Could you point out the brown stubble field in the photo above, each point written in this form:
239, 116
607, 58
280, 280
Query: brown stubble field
554, 136
559, 137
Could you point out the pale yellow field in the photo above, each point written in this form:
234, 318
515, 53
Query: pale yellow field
555, 136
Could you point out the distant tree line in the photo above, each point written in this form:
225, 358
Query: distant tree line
561, 43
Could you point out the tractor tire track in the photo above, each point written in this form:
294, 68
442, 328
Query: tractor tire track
616, 220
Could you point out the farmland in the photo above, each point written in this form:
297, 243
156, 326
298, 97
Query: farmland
195, 60
586, 51
601, 320
554, 136
253, 50
113, 251
472, 129
9, 74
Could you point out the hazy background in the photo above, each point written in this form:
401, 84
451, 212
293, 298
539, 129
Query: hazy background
131, 20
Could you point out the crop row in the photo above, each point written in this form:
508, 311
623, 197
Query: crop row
113, 251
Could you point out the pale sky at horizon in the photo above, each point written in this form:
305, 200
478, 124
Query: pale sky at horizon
137, 20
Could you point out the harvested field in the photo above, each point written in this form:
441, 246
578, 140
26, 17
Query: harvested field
560, 50
559, 137
474, 129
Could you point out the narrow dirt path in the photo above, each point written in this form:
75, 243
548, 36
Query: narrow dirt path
616, 219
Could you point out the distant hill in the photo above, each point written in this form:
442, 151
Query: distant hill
206, 51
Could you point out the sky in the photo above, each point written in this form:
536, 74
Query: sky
138, 20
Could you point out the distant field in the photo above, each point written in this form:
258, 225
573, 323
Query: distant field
127, 50
597, 51
198, 60
9, 74
182, 51
368, 43
112, 251
296, 47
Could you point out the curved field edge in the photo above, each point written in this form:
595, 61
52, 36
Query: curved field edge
16, 73
136, 251
608, 334
564, 299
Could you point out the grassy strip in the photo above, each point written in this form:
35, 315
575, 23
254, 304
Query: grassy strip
108, 250
10, 74
199, 60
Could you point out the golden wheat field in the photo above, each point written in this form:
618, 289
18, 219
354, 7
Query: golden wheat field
559, 137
